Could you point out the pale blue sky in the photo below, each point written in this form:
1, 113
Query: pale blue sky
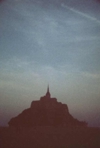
55, 42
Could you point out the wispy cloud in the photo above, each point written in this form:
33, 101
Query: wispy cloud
91, 75
81, 13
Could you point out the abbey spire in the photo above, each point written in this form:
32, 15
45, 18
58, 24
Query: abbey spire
48, 93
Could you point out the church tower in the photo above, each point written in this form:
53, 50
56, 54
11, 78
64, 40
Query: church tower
48, 93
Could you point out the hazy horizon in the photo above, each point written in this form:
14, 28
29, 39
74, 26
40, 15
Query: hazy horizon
50, 42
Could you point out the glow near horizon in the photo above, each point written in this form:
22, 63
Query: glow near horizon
45, 47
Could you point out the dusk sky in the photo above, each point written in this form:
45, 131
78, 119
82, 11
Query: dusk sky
55, 42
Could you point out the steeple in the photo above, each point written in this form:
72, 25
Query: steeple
48, 93
48, 88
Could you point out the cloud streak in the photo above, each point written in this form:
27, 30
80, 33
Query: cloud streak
80, 13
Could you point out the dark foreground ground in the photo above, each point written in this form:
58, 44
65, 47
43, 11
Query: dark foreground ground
50, 137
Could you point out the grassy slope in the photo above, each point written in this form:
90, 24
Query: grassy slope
50, 137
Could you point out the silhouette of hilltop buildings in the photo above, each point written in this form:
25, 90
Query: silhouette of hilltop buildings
46, 112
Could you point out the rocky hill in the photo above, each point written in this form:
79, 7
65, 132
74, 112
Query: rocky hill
46, 112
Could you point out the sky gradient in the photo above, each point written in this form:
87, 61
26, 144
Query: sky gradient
50, 42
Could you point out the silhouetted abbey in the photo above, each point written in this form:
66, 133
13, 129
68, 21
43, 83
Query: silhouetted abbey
46, 112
